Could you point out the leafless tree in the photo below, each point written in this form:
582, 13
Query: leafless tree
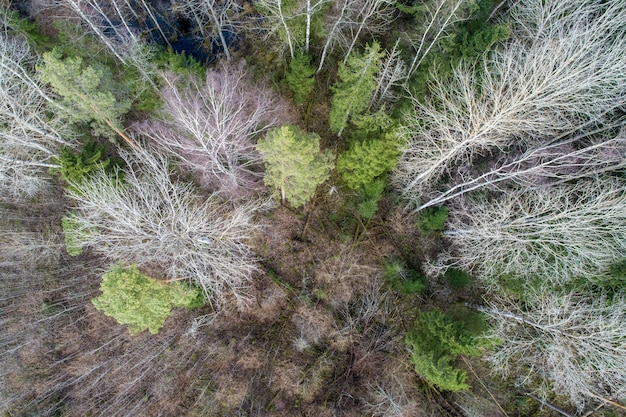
392, 73
440, 18
151, 220
292, 21
390, 399
563, 71
211, 127
349, 20
30, 132
212, 17
556, 233
562, 159
572, 342
100, 22
368, 16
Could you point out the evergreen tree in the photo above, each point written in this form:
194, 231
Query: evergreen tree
139, 301
76, 166
295, 165
373, 151
300, 78
89, 92
365, 161
353, 93
436, 341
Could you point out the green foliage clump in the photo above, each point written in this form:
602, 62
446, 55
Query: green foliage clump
457, 278
72, 241
89, 92
36, 38
370, 195
433, 219
436, 340
365, 161
618, 271
141, 302
301, 78
76, 167
180, 63
373, 151
468, 42
295, 164
403, 279
357, 81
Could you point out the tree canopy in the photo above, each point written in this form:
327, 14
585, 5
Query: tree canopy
141, 302
295, 164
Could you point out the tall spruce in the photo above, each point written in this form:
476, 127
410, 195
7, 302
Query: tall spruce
353, 92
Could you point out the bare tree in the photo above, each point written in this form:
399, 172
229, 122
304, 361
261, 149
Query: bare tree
101, 23
440, 17
571, 342
349, 20
211, 127
368, 16
291, 21
562, 159
392, 73
149, 219
556, 234
563, 71
212, 15
31, 134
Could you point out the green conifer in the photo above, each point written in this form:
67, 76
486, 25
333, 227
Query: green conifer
295, 165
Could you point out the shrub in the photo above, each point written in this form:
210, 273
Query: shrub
72, 241
370, 196
433, 219
75, 167
373, 151
402, 278
141, 302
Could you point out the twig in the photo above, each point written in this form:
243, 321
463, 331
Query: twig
549, 405
608, 401
483, 385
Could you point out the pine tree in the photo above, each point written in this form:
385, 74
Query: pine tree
353, 93
295, 165
141, 302
89, 92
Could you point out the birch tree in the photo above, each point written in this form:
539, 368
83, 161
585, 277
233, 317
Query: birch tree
373, 17
211, 127
349, 20
563, 71
556, 234
562, 159
213, 19
572, 343
439, 17
101, 22
31, 133
142, 216
294, 21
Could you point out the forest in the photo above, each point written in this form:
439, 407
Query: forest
329, 208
